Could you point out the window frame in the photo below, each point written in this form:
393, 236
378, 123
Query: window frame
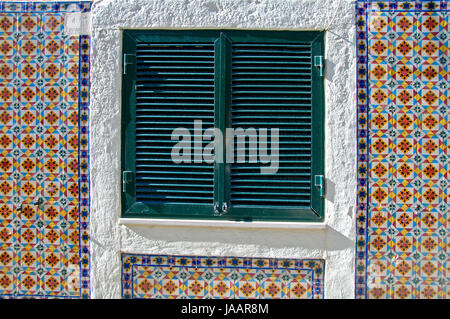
222, 120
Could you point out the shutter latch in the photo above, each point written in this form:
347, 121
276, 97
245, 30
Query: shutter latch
224, 208
127, 60
319, 182
216, 209
127, 177
318, 63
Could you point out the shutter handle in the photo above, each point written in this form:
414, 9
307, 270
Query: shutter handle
224, 208
216, 209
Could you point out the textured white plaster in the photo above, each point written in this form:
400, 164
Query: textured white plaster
335, 243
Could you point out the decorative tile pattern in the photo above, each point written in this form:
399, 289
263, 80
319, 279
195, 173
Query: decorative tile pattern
44, 177
166, 277
403, 114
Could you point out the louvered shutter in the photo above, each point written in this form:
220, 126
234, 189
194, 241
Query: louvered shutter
174, 86
272, 87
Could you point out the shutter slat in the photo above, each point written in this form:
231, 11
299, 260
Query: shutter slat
268, 51
150, 97
289, 168
275, 201
294, 88
274, 124
166, 85
165, 178
168, 91
174, 185
268, 68
174, 191
168, 147
155, 159
273, 181
287, 107
278, 98
269, 58
175, 110
270, 92
163, 51
174, 62
143, 56
257, 46
177, 67
290, 63
147, 136
158, 81
290, 174
175, 86
271, 88
287, 194
179, 166
149, 197
289, 188
177, 124
173, 44
148, 106
174, 74
273, 117
268, 75
238, 110
155, 116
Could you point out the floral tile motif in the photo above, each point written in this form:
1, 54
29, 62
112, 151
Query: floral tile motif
44, 178
403, 156
196, 277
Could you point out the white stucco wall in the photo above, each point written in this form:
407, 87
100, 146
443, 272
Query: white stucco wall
335, 243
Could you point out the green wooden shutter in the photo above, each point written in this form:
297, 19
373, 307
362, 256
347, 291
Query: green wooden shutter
275, 85
174, 85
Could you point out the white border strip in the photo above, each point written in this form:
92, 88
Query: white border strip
224, 223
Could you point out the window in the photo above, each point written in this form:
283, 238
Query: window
251, 86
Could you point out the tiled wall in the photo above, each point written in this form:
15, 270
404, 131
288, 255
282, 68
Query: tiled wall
403, 107
167, 277
44, 177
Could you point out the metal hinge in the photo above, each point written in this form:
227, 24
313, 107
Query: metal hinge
319, 182
127, 60
127, 177
318, 63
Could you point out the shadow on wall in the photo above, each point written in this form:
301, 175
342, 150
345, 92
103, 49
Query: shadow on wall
330, 190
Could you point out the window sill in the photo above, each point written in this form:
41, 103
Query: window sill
219, 224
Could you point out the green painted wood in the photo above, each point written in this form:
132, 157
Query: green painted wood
128, 121
226, 78
165, 87
222, 85
283, 103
